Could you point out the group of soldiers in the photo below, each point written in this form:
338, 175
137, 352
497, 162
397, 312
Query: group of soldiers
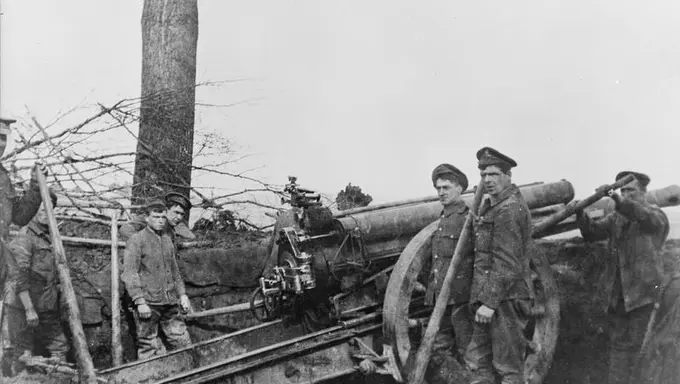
32, 310
493, 295
493, 290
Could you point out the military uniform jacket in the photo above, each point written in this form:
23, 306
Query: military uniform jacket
32, 268
13, 209
502, 234
150, 270
444, 242
637, 232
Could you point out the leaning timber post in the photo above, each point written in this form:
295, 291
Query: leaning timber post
116, 343
87, 374
418, 364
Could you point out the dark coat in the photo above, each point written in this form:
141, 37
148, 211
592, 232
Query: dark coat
32, 268
636, 232
15, 209
150, 270
444, 242
502, 234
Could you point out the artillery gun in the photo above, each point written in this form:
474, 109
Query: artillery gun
354, 280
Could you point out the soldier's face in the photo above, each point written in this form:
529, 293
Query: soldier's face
495, 181
448, 191
175, 215
3, 144
633, 191
156, 220
41, 216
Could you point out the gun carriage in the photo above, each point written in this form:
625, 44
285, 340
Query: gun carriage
354, 279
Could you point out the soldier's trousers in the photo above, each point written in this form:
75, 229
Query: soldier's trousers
167, 317
49, 332
449, 344
625, 340
499, 347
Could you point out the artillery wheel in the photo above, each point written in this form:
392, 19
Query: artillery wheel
398, 305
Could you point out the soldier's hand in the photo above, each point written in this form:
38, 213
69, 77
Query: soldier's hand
39, 167
604, 189
615, 196
185, 304
32, 318
484, 314
144, 311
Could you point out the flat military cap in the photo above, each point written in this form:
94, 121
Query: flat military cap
489, 156
640, 177
448, 169
155, 205
178, 198
4, 126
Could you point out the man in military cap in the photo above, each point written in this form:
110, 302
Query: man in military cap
153, 281
179, 207
634, 274
449, 182
32, 300
501, 294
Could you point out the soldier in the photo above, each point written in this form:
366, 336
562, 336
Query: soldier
637, 231
153, 281
450, 182
13, 209
179, 207
500, 296
32, 300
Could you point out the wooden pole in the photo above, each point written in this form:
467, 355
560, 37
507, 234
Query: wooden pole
418, 365
116, 341
87, 373
242, 307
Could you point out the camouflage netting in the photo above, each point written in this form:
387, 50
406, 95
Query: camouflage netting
220, 277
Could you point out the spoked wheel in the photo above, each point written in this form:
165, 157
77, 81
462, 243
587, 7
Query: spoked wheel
264, 308
399, 310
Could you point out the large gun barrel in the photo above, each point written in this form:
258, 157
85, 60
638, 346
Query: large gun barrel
407, 219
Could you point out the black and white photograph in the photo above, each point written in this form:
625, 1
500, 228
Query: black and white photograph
315, 191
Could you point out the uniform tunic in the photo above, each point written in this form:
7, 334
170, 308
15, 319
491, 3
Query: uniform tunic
32, 268
501, 281
444, 242
14, 209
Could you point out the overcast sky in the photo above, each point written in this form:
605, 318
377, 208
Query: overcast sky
377, 93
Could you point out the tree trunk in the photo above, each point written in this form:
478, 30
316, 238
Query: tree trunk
166, 127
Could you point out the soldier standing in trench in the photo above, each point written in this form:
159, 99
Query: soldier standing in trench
634, 271
32, 299
500, 296
155, 286
450, 182
13, 209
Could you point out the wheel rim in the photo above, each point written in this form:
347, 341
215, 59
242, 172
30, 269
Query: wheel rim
400, 291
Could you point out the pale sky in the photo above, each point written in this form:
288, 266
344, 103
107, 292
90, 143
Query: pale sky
379, 92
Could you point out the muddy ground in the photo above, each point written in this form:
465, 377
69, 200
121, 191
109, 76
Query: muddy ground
580, 356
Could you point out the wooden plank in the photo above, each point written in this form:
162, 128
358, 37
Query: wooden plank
116, 340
